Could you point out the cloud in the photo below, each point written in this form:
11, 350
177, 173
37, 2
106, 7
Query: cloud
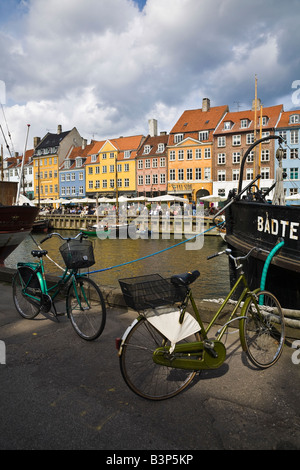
106, 67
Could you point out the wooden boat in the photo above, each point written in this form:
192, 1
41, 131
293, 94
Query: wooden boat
16, 221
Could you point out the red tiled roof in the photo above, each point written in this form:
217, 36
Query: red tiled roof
235, 118
285, 119
198, 120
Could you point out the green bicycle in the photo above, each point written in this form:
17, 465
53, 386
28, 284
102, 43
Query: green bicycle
164, 348
85, 305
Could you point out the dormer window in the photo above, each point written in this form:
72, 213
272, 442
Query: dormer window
94, 158
67, 164
227, 125
147, 149
264, 121
178, 138
160, 148
244, 123
78, 162
294, 119
203, 135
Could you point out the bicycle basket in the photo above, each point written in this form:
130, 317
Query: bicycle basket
150, 291
77, 254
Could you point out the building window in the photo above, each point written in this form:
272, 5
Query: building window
140, 180
222, 141
172, 155
162, 162
236, 140
178, 138
221, 175
189, 154
180, 174
265, 155
172, 175
294, 137
140, 164
198, 173
198, 154
189, 174
148, 163
207, 153
203, 135
236, 156
180, 154
294, 173
221, 158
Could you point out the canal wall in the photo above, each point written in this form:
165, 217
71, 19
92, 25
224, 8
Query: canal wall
207, 307
156, 224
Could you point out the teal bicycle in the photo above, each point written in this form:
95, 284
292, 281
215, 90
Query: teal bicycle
85, 304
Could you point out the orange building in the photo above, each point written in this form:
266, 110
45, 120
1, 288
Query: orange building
190, 150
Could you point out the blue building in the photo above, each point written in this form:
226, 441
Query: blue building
288, 127
72, 172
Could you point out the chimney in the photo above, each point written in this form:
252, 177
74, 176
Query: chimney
152, 127
205, 105
59, 129
84, 143
36, 141
258, 105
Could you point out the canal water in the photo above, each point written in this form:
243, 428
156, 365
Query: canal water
167, 257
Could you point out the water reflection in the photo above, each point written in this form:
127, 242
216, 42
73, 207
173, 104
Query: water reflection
213, 281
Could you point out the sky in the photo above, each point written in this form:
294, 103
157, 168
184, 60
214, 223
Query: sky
108, 66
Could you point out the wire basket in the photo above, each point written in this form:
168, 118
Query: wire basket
151, 291
77, 254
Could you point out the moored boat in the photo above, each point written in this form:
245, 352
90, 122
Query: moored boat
16, 221
254, 222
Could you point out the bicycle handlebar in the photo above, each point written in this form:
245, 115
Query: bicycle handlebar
79, 235
228, 253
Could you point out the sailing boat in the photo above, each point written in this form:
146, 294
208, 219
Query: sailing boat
16, 218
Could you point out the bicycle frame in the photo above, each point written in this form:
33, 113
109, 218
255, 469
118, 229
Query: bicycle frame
245, 293
205, 354
53, 291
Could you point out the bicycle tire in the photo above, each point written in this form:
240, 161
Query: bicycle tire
26, 307
263, 330
86, 308
141, 374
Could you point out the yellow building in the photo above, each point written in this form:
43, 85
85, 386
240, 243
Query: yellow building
111, 167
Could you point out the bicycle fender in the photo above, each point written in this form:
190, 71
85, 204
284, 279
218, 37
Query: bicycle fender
242, 321
126, 333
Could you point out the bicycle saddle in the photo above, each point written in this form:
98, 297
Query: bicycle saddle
39, 253
185, 279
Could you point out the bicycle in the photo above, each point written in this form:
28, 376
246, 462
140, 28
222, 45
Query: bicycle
85, 304
157, 362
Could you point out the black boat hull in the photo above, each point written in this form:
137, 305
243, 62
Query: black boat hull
250, 224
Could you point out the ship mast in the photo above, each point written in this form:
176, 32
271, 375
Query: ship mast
21, 182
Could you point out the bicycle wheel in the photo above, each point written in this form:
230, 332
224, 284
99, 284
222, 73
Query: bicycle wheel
263, 331
86, 308
27, 307
141, 374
